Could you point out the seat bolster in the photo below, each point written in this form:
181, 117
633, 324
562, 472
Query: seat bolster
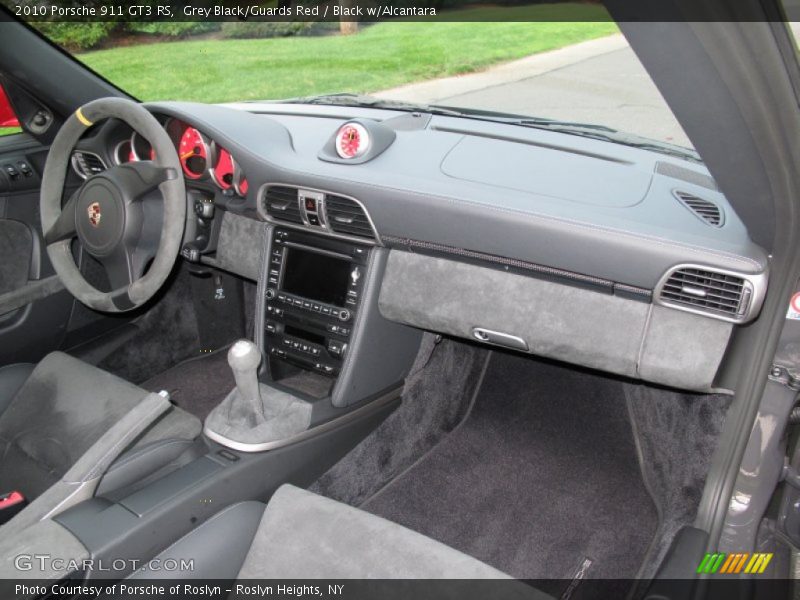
11, 379
217, 548
305, 536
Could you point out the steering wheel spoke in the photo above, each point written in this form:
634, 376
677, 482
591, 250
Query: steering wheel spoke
124, 266
140, 178
64, 228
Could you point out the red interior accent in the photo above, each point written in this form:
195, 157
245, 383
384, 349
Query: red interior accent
349, 140
11, 499
191, 145
223, 167
7, 116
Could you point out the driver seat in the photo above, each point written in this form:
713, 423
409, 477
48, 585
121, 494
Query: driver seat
52, 413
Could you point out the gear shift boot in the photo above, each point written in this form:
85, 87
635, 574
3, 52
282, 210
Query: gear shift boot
254, 413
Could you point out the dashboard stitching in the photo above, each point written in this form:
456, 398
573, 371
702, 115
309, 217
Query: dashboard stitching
579, 224
513, 262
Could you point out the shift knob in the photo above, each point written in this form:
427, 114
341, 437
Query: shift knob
244, 358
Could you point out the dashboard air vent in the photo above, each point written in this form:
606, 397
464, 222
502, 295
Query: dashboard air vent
707, 291
346, 216
703, 209
281, 203
87, 164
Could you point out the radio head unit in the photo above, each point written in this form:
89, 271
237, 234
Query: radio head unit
316, 276
313, 292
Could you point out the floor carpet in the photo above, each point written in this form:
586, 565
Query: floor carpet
540, 476
196, 385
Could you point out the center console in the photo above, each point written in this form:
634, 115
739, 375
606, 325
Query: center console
325, 369
313, 295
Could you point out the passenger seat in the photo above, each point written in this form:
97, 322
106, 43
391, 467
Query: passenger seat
301, 535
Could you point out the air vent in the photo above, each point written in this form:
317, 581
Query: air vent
346, 216
281, 203
87, 164
703, 209
707, 291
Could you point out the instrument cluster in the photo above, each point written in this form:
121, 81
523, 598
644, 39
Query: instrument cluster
201, 158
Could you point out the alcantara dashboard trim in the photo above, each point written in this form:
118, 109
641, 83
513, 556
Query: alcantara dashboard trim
756, 283
492, 260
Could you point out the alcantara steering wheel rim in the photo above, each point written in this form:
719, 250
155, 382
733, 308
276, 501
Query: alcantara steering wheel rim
109, 212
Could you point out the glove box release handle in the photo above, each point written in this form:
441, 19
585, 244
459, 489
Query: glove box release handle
498, 338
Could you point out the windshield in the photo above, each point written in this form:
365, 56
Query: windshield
581, 72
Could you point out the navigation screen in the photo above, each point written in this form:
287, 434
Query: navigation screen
316, 276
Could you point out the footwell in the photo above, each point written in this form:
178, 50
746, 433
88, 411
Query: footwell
542, 473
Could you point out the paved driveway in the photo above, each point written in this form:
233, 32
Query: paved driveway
600, 81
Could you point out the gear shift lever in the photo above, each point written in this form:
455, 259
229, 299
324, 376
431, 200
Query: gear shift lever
253, 412
244, 358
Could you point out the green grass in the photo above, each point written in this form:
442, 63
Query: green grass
380, 56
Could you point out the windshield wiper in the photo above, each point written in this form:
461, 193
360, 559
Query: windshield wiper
589, 130
364, 101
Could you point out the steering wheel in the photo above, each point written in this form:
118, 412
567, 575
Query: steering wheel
114, 215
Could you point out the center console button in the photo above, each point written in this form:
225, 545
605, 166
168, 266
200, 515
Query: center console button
344, 315
326, 310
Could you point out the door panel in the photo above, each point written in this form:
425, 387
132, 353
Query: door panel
16, 248
37, 315
34, 308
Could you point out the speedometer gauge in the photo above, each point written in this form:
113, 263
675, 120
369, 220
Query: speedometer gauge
193, 151
222, 172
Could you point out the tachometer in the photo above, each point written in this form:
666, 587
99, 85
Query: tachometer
222, 172
194, 152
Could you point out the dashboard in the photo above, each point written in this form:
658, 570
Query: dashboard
625, 259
